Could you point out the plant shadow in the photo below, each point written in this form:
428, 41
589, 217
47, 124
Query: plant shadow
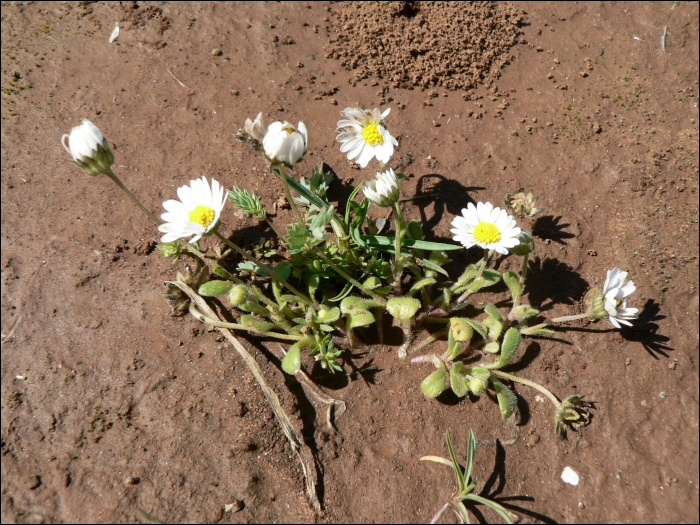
645, 331
551, 227
556, 282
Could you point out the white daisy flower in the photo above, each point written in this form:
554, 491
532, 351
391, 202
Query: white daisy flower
384, 190
89, 148
364, 136
485, 226
283, 143
196, 213
615, 291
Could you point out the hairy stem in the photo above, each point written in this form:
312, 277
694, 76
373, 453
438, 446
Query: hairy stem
532, 384
133, 198
288, 194
234, 326
479, 273
566, 318
523, 272
398, 241
269, 271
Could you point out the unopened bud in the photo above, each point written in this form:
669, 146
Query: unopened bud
478, 385
238, 295
461, 329
594, 302
527, 244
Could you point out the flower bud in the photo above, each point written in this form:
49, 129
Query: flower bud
238, 295
478, 385
522, 204
594, 302
285, 144
89, 148
527, 244
384, 190
461, 329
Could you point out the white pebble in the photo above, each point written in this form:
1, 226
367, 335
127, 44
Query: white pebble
115, 34
569, 476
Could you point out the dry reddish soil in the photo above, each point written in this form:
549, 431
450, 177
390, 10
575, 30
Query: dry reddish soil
110, 405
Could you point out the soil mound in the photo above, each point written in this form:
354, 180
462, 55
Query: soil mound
448, 44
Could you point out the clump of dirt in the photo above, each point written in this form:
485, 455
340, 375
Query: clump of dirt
453, 45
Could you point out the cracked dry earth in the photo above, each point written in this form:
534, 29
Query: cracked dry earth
109, 405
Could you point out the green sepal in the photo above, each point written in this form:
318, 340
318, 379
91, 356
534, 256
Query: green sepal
513, 282
507, 401
435, 384
457, 383
215, 288
258, 325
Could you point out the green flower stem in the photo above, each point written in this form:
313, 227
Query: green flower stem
523, 272
288, 194
398, 241
532, 384
234, 326
567, 318
133, 198
269, 271
345, 275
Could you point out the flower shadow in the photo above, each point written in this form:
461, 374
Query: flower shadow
556, 282
447, 194
550, 227
645, 331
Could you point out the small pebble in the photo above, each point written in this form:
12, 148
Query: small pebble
217, 52
662, 395
569, 476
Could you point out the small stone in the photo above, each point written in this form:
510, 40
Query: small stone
583, 74
132, 480
236, 506
533, 440
672, 366
628, 361
217, 52
570, 476
34, 482
644, 402
556, 61
662, 395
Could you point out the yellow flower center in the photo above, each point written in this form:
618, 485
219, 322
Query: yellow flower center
203, 215
487, 233
371, 135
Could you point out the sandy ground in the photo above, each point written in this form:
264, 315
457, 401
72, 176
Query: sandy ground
123, 407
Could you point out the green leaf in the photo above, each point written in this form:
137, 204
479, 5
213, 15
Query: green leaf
491, 277
359, 318
257, 324
350, 304
511, 342
414, 231
382, 242
461, 481
402, 307
419, 285
476, 325
313, 199
507, 516
457, 383
215, 288
507, 401
218, 270
327, 315
494, 312
471, 450
524, 311
513, 282
292, 361
435, 384
537, 331
284, 269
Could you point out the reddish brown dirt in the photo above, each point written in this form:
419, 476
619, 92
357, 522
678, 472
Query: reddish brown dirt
124, 407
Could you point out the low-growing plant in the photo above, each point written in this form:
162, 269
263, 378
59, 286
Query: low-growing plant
331, 272
464, 494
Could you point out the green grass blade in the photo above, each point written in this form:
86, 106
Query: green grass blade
379, 241
455, 464
471, 450
495, 506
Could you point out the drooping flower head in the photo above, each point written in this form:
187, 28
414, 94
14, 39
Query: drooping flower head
384, 190
364, 136
615, 292
89, 148
485, 226
196, 213
283, 143
256, 128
